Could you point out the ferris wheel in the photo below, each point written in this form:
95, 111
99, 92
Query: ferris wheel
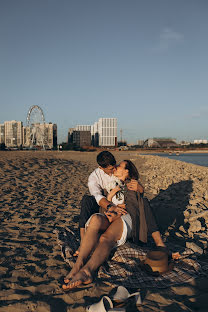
36, 127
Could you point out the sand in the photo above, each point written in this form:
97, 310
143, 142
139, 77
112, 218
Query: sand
41, 191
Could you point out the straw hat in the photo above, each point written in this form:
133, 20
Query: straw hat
156, 262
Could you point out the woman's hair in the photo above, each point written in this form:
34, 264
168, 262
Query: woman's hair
133, 172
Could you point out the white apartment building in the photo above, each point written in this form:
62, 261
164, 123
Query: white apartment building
13, 133
106, 128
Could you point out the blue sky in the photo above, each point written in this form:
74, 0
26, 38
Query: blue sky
144, 62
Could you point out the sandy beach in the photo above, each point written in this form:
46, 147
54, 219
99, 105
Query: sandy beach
41, 191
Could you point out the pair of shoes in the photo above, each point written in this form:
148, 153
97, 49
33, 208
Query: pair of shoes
119, 298
123, 295
104, 305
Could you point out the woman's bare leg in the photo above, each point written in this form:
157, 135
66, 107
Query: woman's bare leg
158, 239
82, 233
106, 242
97, 223
159, 242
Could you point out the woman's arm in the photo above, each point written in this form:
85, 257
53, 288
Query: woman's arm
113, 193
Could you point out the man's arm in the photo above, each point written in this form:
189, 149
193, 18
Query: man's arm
104, 203
96, 191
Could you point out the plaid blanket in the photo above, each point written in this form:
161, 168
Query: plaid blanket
123, 266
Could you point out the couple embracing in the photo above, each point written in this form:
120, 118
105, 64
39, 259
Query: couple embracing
114, 212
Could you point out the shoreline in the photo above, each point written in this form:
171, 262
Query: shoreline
176, 151
172, 150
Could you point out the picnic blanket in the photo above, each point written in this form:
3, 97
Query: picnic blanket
123, 266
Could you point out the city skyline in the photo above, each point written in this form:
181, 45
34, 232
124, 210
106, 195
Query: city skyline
142, 62
96, 128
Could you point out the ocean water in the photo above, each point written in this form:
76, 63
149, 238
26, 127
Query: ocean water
200, 159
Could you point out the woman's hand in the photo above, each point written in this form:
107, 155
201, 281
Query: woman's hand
116, 189
113, 192
134, 185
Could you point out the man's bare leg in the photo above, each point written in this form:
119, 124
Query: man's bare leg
97, 223
106, 242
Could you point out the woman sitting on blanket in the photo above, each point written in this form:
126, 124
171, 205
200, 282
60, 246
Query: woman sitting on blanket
104, 232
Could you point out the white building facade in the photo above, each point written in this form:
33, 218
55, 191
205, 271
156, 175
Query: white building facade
83, 128
13, 133
107, 132
201, 141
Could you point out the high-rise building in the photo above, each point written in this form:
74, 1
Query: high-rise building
70, 135
95, 134
50, 135
2, 133
26, 136
81, 138
36, 136
13, 133
107, 131
103, 132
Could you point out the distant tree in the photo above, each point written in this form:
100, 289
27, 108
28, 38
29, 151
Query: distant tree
122, 143
197, 146
67, 146
2, 146
137, 146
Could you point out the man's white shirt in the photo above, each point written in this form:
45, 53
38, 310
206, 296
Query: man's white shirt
97, 182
